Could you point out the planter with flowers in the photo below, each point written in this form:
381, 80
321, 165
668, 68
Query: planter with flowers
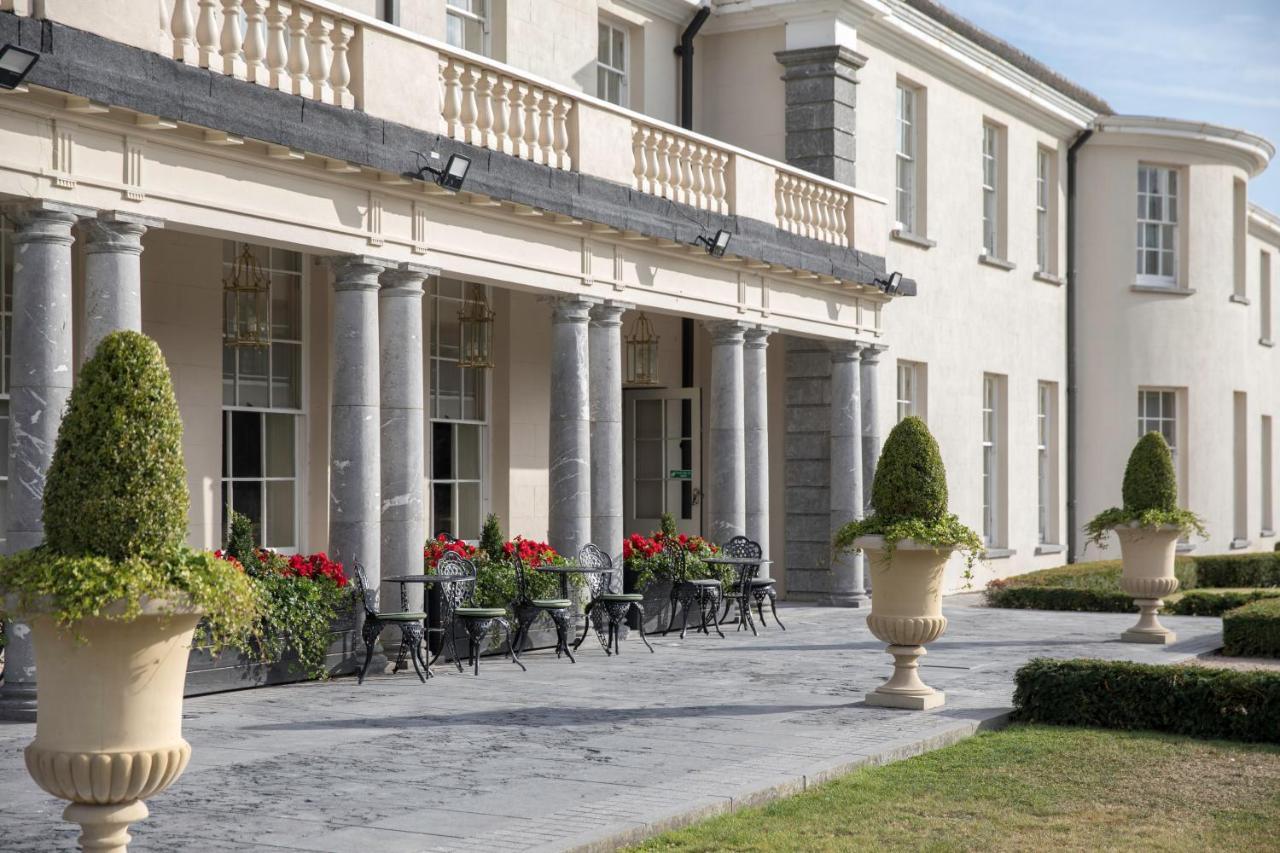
647, 571
113, 595
908, 539
1148, 526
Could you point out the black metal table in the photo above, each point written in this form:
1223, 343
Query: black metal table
743, 564
425, 580
571, 569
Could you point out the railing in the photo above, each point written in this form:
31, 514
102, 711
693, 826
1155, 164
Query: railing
682, 169
502, 112
290, 45
812, 209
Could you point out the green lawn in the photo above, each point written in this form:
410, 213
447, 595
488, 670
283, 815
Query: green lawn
1026, 788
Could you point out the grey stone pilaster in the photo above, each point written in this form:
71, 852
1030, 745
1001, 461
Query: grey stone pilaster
870, 417
39, 384
113, 275
821, 85
755, 408
605, 338
355, 471
402, 433
569, 475
847, 581
727, 489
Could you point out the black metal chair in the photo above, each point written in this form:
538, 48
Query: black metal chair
608, 610
740, 593
528, 609
686, 591
762, 588
410, 624
458, 597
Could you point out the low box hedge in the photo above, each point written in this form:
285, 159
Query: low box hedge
1186, 700
1059, 598
1227, 570
1215, 602
1253, 630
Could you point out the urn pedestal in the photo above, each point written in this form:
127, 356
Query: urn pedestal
906, 613
1147, 555
109, 717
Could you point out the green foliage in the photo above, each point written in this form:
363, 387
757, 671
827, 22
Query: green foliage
117, 486
1215, 602
1149, 481
945, 532
491, 539
240, 545
71, 589
298, 614
1188, 700
1104, 522
1254, 631
910, 480
667, 524
496, 582
1239, 570
645, 557
1058, 598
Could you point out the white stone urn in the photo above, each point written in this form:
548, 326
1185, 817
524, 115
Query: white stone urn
109, 716
906, 613
1147, 555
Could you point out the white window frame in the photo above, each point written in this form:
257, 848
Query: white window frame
992, 459
1157, 183
484, 424
298, 413
609, 67
912, 385
1044, 179
906, 158
1265, 474
991, 189
468, 11
1046, 461
1264, 296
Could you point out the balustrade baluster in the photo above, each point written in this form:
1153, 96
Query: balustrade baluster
340, 72
560, 141
467, 118
652, 158
663, 176
182, 26
318, 43
531, 98
450, 97
546, 111
232, 40
697, 185
721, 182
637, 157
516, 108
484, 108
277, 47
498, 100
207, 34
255, 41
299, 54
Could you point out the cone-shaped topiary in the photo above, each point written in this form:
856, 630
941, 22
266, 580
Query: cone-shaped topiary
910, 481
491, 537
117, 486
1149, 481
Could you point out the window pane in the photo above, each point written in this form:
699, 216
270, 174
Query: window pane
648, 498
619, 58
648, 419
246, 444
253, 377
280, 445
602, 44
648, 460
286, 376
468, 511
448, 390
442, 508
441, 451
4, 452
228, 376
280, 510
246, 499
286, 307
468, 451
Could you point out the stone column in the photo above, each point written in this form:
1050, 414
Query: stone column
403, 445
755, 394
847, 577
870, 424
355, 471
727, 489
605, 337
569, 476
113, 275
820, 85
39, 385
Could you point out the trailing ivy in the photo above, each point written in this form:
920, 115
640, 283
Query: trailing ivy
1150, 493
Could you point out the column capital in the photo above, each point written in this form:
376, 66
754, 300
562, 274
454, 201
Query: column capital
358, 272
117, 232
405, 280
571, 309
726, 331
609, 313
43, 221
847, 350
871, 352
758, 337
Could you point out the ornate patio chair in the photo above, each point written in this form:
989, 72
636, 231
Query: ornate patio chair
740, 593
607, 610
528, 610
458, 597
409, 622
686, 591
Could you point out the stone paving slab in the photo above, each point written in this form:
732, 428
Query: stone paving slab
586, 756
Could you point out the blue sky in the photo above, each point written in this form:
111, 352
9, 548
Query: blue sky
1208, 60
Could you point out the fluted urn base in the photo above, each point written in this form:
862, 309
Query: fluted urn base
1148, 554
906, 613
105, 829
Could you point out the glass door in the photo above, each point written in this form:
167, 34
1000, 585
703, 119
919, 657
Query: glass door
662, 459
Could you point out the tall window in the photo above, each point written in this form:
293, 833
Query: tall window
467, 25
1044, 172
1240, 452
1157, 225
1158, 412
906, 159
459, 415
389, 11
992, 458
1264, 294
262, 407
6, 331
1239, 228
991, 190
1046, 459
1265, 475
611, 64
911, 389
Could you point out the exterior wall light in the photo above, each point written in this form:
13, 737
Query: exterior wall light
454, 173
476, 326
714, 246
642, 353
246, 305
15, 63
890, 287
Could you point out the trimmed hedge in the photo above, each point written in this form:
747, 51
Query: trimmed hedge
1253, 631
1059, 598
1210, 602
1238, 570
1186, 700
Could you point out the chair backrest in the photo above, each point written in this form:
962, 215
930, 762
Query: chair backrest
741, 546
523, 592
368, 597
677, 557
591, 557
460, 592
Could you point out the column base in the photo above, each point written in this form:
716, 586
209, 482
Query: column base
906, 701
18, 703
847, 599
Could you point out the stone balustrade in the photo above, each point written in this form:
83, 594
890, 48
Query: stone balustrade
812, 209
677, 166
291, 45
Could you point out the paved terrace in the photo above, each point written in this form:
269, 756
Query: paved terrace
565, 756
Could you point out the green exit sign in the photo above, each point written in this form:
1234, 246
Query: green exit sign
681, 474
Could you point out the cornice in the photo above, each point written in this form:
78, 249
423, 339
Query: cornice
1239, 147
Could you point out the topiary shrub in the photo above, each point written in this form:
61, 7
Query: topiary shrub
117, 487
909, 498
1150, 493
1237, 570
1253, 630
491, 540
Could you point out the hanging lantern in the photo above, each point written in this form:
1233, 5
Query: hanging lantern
476, 321
642, 353
246, 303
